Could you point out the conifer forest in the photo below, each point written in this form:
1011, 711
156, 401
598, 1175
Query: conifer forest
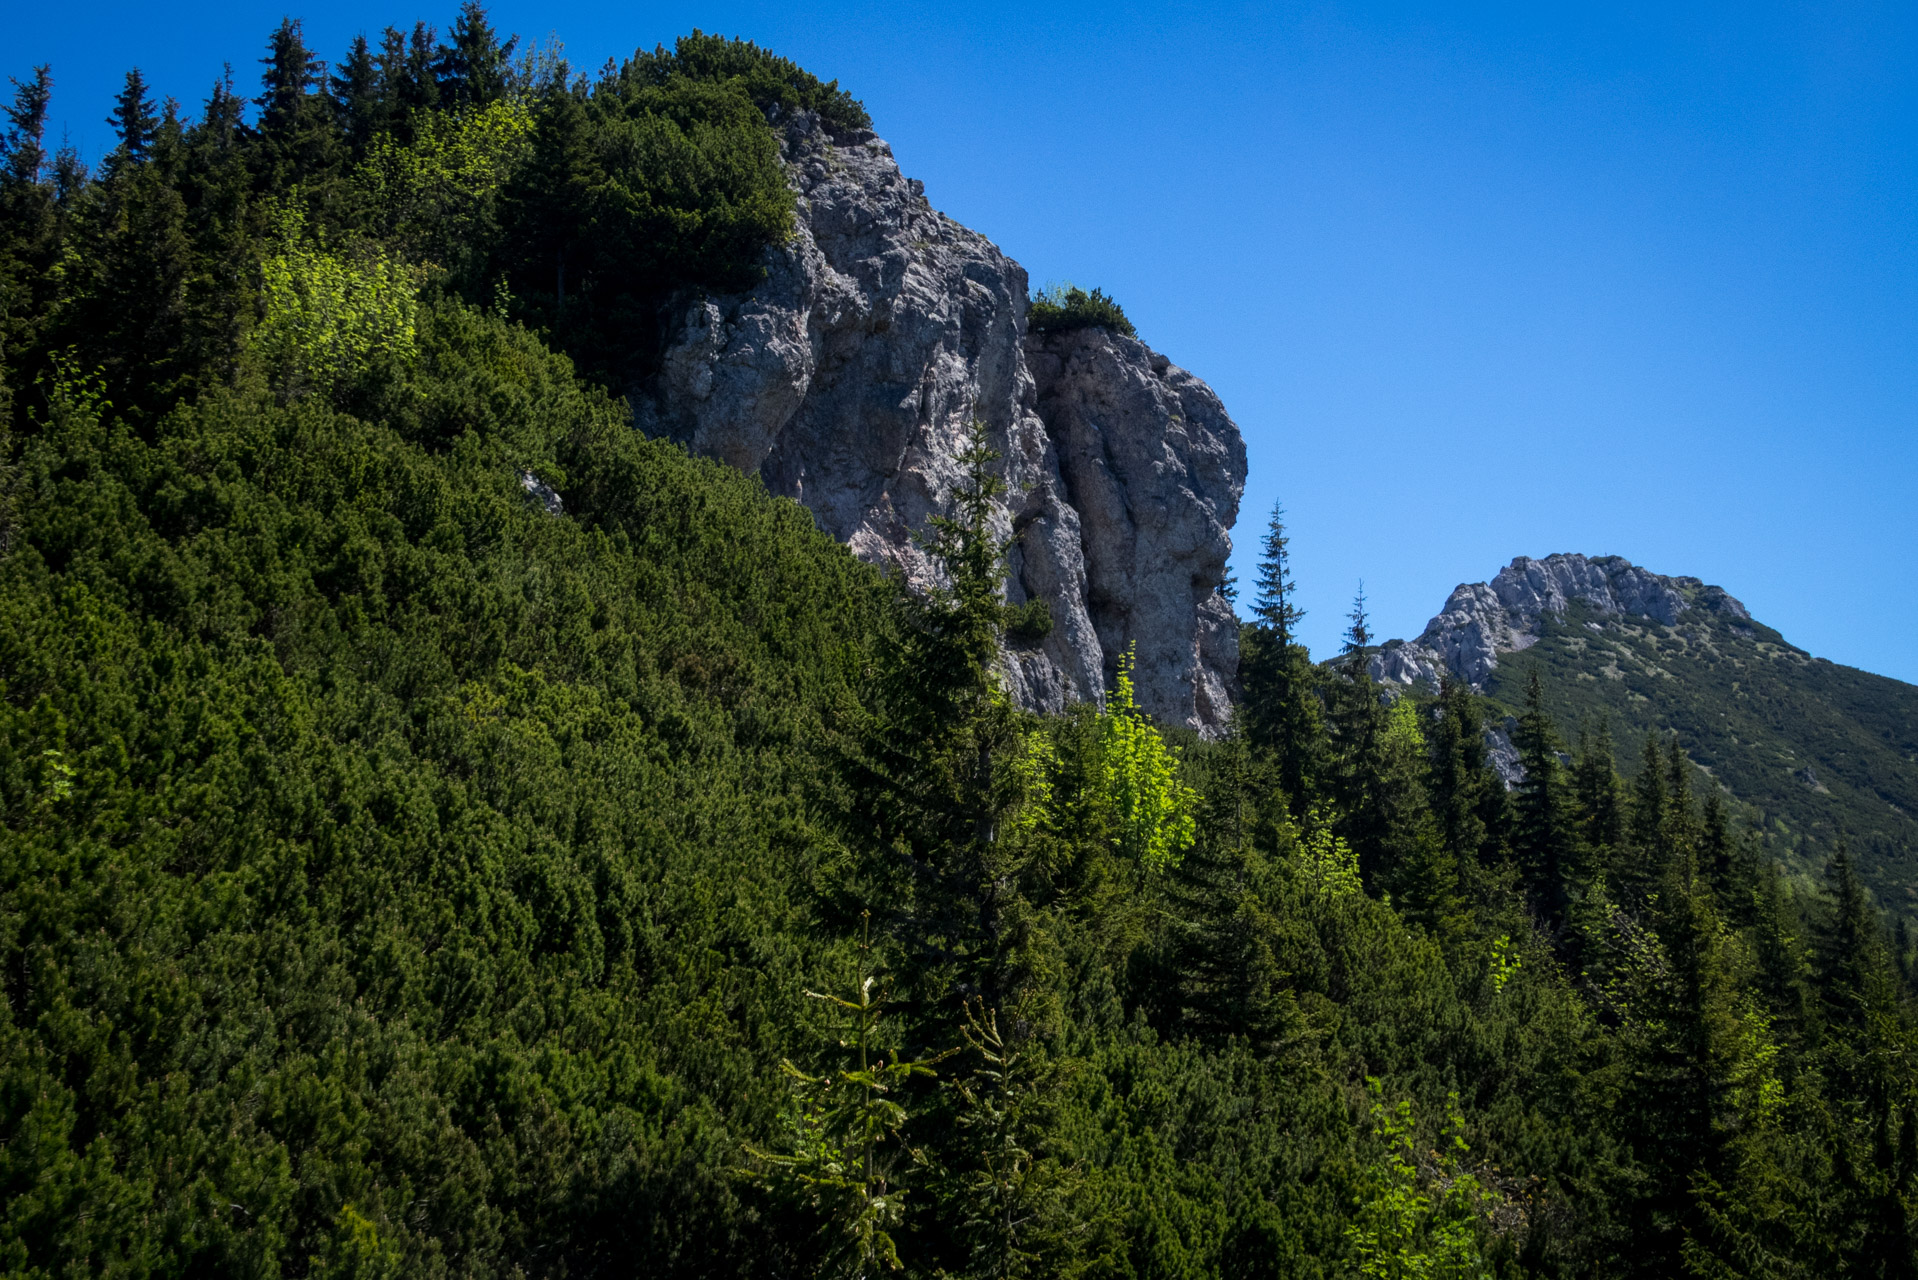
445, 832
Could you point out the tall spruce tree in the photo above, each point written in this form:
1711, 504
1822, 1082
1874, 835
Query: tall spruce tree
359, 105
1650, 820
1599, 795
297, 139
1355, 724
1465, 792
1541, 831
1377, 769
133, 121
1682, 829
26, 154
1848, 947
472, 71
1279, 713
936, 765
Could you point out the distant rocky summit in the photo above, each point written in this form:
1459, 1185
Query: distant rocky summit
1804, 750
850, 377
1482, 621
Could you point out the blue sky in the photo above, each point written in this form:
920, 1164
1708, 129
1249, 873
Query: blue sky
1476, 281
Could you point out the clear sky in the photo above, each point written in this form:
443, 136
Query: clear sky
1476, 281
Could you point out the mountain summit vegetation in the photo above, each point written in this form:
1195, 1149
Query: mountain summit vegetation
444, 832
1807, 751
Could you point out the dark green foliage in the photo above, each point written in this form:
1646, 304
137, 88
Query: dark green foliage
27, 126
392, 799
776, 85
1805, 749
298, 142
401, 876
1067, 306
1541, 821
1468, 799
133, 119
1028, 623
359, 105
472, 71
1280, 710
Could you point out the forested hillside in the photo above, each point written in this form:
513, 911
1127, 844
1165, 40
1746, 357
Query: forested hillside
1812, 751
447, 833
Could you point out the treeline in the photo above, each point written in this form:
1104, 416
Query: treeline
577, 204
446, 833
1758, 1041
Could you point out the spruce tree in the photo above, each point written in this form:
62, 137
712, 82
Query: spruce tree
359, 107
1540, 836
472, 71
1378, 787
937, 764
1717, 850
296, 130
1650, 816
1682, 829
133, 121
1355, 725
26, 152
1461, 783
1599, 794
1280, 713
1848, 947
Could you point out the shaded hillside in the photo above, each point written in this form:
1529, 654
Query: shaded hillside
1813, 749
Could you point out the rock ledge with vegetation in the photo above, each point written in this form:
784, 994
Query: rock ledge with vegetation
849, 380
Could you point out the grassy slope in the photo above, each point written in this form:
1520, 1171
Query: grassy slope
1756, 712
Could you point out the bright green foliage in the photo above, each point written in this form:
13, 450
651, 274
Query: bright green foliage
1154, 821
439, 191
1505, 961
1062, 307
332, 319
1328, 863
401, 878
1417, 1223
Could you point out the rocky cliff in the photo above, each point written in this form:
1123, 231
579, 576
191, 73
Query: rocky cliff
849, 379
1482, 621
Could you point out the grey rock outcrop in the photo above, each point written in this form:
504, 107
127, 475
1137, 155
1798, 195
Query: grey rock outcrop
1482, 621
1154, 466
849, 380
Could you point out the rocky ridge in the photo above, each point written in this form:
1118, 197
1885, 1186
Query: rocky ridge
849, 380
1482, 621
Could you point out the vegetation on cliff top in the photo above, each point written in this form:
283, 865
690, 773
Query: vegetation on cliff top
404, 874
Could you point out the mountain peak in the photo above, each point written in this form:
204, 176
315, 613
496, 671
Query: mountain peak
1483, 620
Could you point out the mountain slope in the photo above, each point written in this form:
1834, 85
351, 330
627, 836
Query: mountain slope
1810, 749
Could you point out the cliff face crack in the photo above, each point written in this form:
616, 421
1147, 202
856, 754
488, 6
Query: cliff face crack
849, 378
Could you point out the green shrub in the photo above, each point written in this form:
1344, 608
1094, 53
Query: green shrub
1028, 623
1060, 307
768, 78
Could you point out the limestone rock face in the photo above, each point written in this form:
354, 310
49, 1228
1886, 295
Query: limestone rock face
1482, 621
1155, 468
850, 377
